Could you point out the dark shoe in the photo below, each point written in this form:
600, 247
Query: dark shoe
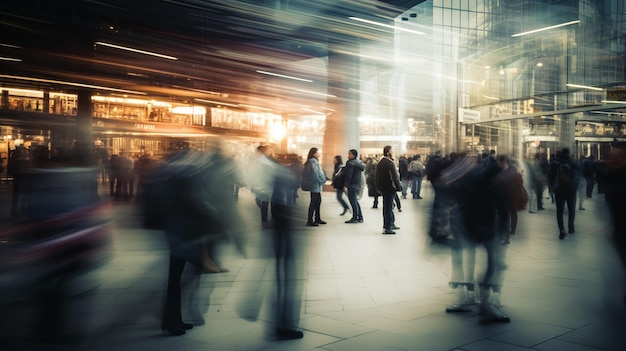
581, 209
288, 334
394, 227
312, 224
491, 314
563, 234
571, 231
319, 221
353, 220
399, 210
374, 206
419, 197
389, 231
542, 209
345, 210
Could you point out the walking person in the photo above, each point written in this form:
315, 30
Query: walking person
338, 183
388, 183
314, 178
416, 172
352, 184
259, 181
564, 177
403, 170
370, 180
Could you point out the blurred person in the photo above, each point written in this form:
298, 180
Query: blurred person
189, 212
352, 184
142, 169
18, 165
475, 223
538, 180
416, 172
588, 168
439, 218
403, 170
259, 182
513, 196
370, 179
564, 177
581, 190
316, 179
296, 170
388, 184
338, 182
615, 196
288, 274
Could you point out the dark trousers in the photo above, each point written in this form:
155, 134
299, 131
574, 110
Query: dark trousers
314, 207
173, 314
539, 193
561, 198
340, 199
264, 206
590, 183
354, 203
388, 217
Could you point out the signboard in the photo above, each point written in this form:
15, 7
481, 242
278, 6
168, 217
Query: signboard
616, 94
468, 116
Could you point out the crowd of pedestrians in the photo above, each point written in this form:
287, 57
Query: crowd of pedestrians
192, 196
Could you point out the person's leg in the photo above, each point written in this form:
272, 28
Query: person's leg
405, 185
414, 191
341, 201
539, 194
172, 318
387, 210
571, 209
396, 199
318, 205
419, 187
560, 203
375, 202
311, 214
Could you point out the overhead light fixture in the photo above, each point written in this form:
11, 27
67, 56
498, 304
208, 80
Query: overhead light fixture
612, 102
546, 28
136, 50
10, 59
314, 93
583, 87
255, 107
10, 46
539, 64
97, 87
284, 76
385, 25
216, 102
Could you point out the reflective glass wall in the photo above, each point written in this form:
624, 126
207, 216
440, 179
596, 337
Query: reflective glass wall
519, 77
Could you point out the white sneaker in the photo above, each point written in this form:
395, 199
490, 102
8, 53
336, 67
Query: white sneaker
461, 304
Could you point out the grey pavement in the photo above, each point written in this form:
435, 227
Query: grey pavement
362, 290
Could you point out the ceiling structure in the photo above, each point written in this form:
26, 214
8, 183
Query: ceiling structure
185, 50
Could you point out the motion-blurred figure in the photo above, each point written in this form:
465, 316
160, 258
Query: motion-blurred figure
288, 280
615, 194
564, 177
474, 222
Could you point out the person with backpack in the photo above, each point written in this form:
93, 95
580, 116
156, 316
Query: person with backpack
564, 176
416, 172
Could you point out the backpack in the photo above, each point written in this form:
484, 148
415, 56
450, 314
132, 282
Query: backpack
340, 178
416, 168
307, 177
564, 176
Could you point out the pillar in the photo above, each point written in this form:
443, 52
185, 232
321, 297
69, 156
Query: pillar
342, 127
84, 128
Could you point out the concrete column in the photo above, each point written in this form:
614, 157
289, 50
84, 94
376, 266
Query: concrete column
342, 127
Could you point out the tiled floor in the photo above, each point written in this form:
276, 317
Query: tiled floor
363, 290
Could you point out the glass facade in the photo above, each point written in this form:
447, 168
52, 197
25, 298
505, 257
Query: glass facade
536, 76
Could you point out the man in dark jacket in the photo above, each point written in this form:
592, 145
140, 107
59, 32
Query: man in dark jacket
564, 177
388, 183
352, 184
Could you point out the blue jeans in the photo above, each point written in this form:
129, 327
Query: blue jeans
341, 200
416, 186
356, 208
388, 217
